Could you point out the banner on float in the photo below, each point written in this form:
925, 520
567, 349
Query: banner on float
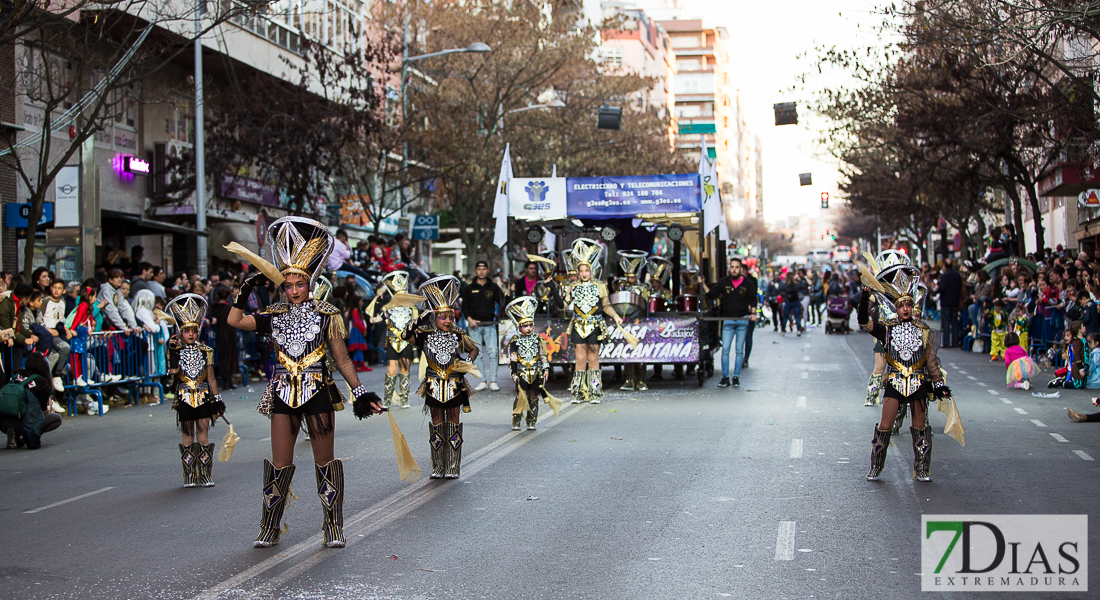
537, 198
660, 340
607, 197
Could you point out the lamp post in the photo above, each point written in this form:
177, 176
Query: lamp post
200, 158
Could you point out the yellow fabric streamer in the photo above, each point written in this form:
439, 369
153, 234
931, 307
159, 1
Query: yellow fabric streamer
259, 262
163, 316
406, 465
954, 426
633, 341
522, 405
228, 442
555, 404
467, 368
537, 258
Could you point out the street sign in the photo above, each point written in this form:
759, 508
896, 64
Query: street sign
425, 227
957, 243
17, 213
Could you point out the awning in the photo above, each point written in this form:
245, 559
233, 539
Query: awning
222, 233
137, 225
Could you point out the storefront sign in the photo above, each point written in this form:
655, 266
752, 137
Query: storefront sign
246, 189
67, 196
660, 340
537, 198
1089, 198
604, 197
18, 214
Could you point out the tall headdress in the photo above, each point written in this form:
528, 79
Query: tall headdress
897, 283
522, 310
187, 310
660, 269
567, 260
632, 262
300, 246
322, 289
586, 252
441, 292
397, 281
547, 268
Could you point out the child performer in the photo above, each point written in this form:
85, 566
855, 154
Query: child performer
998, 326
1021, 368
529, 365
1021, 322
399, 352
198, 402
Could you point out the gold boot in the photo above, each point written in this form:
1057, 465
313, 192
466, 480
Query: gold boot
276, 491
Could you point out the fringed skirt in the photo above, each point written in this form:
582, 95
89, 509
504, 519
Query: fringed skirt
461, 396
319, 412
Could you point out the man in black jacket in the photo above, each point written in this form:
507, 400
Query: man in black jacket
481, 300
737, 295
950, 289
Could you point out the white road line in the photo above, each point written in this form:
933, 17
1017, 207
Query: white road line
1059, 437
805, 374
804, 358
1038, 423
796, 448
1020, 410
801, 402
982, 384
1084, 455
384, 512
784, 542
1006, 401
961, 372
994, 392
970, 377
73, 499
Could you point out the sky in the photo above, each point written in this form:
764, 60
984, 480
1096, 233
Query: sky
765, 41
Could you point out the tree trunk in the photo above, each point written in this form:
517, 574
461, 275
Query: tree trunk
36, 201
1017, 217
1040, 234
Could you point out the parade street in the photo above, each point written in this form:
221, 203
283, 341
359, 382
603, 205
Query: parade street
678, 492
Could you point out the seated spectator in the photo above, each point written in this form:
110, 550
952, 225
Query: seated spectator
1071, 376
28, 429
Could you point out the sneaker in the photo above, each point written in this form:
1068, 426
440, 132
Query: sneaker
58, 384
81, 382
1027, 384
493, 387
736, 381
724, 382
57, 408
744, 364
481, 387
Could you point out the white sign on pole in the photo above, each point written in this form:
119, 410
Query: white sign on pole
537, 198
67, 197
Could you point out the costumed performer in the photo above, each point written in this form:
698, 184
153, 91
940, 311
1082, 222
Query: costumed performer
587, 329
527, 356
399, 353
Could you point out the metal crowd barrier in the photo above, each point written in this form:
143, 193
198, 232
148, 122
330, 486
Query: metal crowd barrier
113, 358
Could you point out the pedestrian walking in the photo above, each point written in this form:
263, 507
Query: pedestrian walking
482, 301
736, 293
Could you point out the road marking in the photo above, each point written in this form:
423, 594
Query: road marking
1020, 410
1084, 455
1006, 401
73, 499
1059, 437
784, 542
268, 438
982, 384
806, 358
994, 392
801, 402
971, 378
961, 372
805, 374
796, 448
383, 513
806, 345
1038, 423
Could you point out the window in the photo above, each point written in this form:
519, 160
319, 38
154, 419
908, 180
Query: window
687, 65
612, 55
725, 122
338, 24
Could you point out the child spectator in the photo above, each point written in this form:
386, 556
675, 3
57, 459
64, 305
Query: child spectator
1093, 381
1071, 376
1020, 367
998, 326
1021, 324
357, 340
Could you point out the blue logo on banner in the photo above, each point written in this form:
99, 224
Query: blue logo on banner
605, 197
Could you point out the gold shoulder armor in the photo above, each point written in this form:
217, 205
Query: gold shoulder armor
325, 308
277, 308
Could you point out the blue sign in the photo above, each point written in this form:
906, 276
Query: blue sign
605, 197
425, 227
17, 214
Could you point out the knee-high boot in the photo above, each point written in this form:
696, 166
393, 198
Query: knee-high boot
922, 452
190, 465
389, 390
403, 389
533, 412
276, 492
639, 378
874, 386
879, 444
595, 386
330, 489
899, 420
453, 467
630, 378
579, 386
205, 464
437, 441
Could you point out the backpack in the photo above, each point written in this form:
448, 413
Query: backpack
13, 398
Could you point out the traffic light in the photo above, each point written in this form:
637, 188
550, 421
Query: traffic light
824, 199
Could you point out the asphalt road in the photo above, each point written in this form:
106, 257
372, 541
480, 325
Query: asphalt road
678, 492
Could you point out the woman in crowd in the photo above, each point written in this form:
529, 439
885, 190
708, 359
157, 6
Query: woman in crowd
303, 331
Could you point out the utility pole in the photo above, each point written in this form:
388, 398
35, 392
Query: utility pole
200, 156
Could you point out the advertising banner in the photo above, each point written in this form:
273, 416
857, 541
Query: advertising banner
607, 197
660, 340
537, 198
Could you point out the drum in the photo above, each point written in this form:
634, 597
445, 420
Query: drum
657, 304
687, 303
627, 304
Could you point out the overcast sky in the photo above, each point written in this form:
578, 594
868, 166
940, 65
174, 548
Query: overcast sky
766, 39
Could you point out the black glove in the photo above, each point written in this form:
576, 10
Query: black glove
863, 312
257, 280
940, 390
366, 403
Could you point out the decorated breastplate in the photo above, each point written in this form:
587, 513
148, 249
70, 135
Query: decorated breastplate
906, 356
300, 349
398, 319
441, 350
586, 297
192, 375
527, 350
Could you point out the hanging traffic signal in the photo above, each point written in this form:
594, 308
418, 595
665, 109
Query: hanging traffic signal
824, 199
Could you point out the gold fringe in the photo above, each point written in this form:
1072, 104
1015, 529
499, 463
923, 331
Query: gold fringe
336, 329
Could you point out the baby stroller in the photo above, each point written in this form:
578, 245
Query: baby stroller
838, 315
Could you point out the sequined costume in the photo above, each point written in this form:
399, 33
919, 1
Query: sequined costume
195, 401
398, 319
588, 299
443, 383
632, 262
528, 362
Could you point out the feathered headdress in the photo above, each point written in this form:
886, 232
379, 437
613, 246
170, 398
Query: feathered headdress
441, 292
586, 252
522, 310
187, 311
632, 262
299, 246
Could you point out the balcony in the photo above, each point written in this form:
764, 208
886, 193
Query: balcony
1072, 174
